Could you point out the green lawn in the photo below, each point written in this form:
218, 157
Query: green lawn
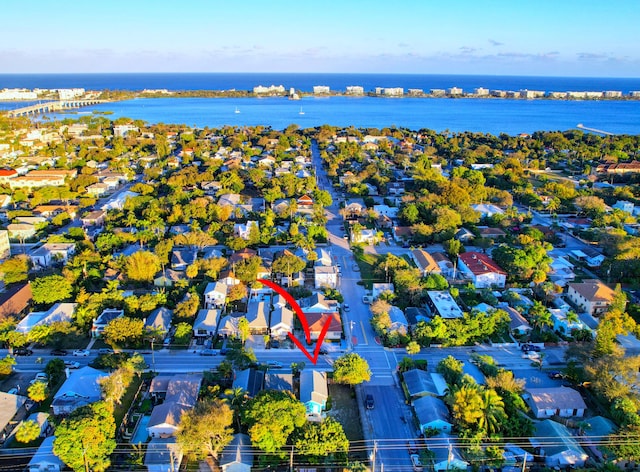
127, 400
367, 262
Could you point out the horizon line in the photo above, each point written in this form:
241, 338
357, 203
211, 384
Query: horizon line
324, 73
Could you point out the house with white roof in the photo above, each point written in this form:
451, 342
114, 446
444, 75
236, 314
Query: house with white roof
399, 322
58, 312
487, 210
80, 389
446, 455
258, 317
365, 236
325, 276
442, 304
243, 230
281, 322
378, 289
420, 383
555, 401
206, 323
215, 295
49, 253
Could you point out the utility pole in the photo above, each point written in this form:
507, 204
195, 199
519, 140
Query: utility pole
291, 460
524, 462
373, 460
84, 456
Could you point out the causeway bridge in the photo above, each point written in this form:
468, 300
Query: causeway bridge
48, 107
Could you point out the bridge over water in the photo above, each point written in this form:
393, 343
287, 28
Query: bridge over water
48, 107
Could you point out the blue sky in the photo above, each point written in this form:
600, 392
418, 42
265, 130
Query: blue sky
514, 37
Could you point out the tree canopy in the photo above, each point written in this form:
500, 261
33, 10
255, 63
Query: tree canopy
206, 429
351, 369
271, 417
86, 438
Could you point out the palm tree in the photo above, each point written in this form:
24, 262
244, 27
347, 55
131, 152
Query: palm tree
540, 316
237, 398
492, 412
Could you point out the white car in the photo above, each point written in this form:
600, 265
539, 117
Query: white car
72, 364
81, 352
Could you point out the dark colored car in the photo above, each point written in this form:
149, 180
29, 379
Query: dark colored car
21, 351
554, 374
59, 352
368, 402
530, 347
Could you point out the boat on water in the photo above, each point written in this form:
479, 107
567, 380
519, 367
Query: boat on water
237, 111
301, 112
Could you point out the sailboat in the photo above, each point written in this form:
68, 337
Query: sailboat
301, 112
237, 111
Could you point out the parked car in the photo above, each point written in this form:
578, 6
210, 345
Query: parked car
42, 376
105, 350
13, 391
22, 351
72, 364
59, 352
208, 352
554, 374
345, 307
81, 352
368, 401
274, 365
530, 347
415, 463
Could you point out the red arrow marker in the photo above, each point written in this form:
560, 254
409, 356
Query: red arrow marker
303, 321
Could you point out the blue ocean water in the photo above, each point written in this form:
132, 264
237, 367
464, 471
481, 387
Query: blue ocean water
477, 115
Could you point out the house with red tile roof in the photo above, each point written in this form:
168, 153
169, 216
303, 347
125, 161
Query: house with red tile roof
317, 320
482, 270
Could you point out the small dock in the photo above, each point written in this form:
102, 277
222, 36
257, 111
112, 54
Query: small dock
48, 107
594, 130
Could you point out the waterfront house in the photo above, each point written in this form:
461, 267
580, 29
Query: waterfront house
313, 393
